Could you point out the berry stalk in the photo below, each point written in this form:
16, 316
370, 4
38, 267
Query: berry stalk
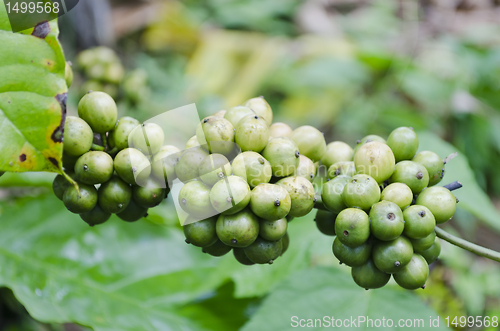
468, 246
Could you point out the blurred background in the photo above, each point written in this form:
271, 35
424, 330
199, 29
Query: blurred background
348, 67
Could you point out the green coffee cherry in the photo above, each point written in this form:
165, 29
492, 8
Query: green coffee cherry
285, 243
187, 168
440, 201
260, 106
114, 195
311, 142
420, 245
273, 230
331, 194
283, 155
404, 143
241, 257
368, 276
200, 233
238, 230
362, 191
306, 168
217, 133
163, 163
387, 222
392, 256
301, 193
367, 139
213, 168
434, 165
419, 222
325, 222
132, 166
252, 133
82, 200
61, 184
78, 136
149, 194
412, 174
414, 275
375, 159
68, 74
96, 216
114, 73
431, 254
192, 142
399, 193
119, 136
279, 129
99, 110
230, 195
235, 114
148, 138
217, 249
263, 251
270, 202
253, 168
353, 257
342, 168
337, 151
133, 212
352, 227
194, 199
94, 168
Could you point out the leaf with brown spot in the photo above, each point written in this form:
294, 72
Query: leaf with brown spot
32, 98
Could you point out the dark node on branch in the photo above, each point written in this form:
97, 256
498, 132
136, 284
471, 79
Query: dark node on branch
41, 30
453, 186
22, 157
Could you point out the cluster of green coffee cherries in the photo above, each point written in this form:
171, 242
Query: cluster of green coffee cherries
382, 204
103, 71
112, 177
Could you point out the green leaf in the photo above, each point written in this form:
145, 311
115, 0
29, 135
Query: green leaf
472, 198
318, 292
32, 98
117, 276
